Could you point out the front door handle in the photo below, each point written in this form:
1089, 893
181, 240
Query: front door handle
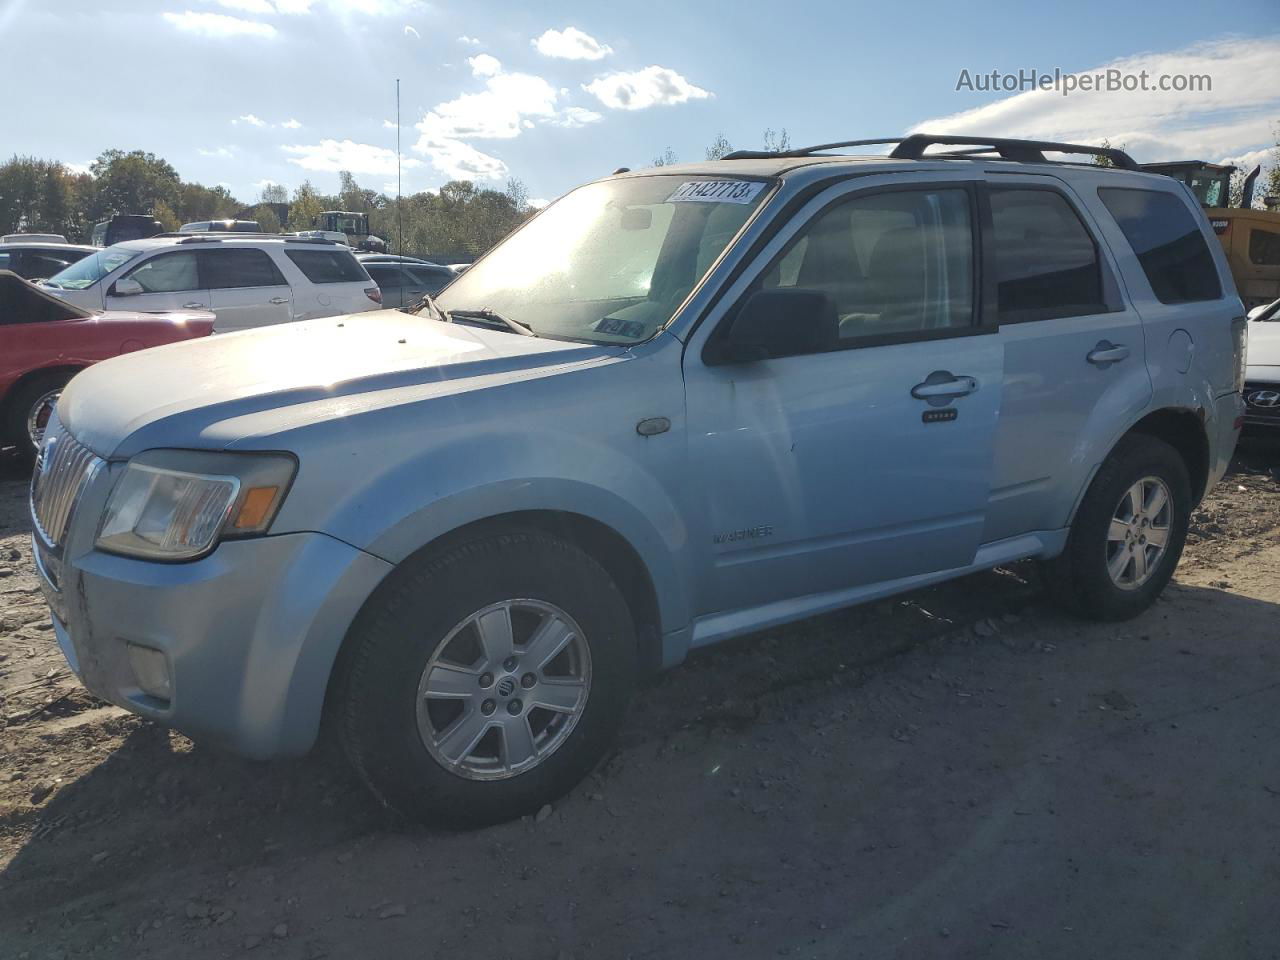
1107, 353
943, 385
278, 300
193, 306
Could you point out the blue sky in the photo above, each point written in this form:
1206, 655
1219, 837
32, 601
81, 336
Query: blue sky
245, 91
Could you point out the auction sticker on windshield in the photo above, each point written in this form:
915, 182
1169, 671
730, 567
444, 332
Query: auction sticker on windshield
717, 191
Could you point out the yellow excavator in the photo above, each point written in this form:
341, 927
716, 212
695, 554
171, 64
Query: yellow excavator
1251, 238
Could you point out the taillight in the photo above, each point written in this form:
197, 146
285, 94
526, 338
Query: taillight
1240, 343
373, 293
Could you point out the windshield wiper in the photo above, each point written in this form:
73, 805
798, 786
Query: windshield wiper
428, 303
492, 316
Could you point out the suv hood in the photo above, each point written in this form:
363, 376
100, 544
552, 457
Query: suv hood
265, 380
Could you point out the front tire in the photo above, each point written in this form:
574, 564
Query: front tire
486, 680
1128, 534
29, 409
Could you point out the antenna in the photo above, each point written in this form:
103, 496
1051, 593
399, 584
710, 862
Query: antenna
399, 202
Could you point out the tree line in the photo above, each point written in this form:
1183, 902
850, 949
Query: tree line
45, 196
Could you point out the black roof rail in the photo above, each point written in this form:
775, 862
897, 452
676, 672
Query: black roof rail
913, 147
805, 151
1025, 151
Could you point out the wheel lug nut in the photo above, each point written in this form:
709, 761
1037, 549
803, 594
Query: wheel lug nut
528, 680
486, 679
488, 707
509, 664
514, 708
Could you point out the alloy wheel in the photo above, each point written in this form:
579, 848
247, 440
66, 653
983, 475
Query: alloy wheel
504, 689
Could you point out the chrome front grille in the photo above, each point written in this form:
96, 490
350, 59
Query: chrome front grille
61, 472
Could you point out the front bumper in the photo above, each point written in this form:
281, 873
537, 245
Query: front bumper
249, 634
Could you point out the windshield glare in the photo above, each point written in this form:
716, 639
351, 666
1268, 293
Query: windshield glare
610, 262
86, 272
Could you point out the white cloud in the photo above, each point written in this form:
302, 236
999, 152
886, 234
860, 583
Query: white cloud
248, 6
78, 168
388, 124
460, 161
571, 44
330, 156
412, 32
495, 113
218, 25
250, 119
1234, 117
573, 117
652, 86
291, 124
1250, 158
263, 184
468, 41
483, 65
538, 201
222, 153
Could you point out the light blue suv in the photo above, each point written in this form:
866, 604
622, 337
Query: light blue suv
677, 406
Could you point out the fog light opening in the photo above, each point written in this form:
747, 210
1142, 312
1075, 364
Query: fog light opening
151, 671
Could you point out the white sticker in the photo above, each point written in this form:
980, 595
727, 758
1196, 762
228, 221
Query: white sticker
717, 191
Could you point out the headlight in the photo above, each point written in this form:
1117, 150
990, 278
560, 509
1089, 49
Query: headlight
178, 504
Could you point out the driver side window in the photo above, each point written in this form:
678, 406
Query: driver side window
167, 273
893, 263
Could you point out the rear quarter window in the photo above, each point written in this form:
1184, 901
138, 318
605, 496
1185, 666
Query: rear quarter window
328, 266
1167, 241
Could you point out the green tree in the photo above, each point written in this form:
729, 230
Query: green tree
267, 219
133, 182
305, 208
274, 193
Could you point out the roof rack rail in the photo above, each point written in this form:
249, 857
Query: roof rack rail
913, 147
217, 236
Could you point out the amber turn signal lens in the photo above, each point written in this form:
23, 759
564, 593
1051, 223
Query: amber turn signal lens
255, 507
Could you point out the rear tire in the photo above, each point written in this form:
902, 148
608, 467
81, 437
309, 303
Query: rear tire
425, 672
32, 404
1128, 533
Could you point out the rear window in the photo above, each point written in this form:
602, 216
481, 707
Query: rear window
1168, 243
247, 267
1045, 259
328, 266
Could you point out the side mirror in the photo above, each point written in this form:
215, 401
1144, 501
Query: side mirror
777, 323
126, 288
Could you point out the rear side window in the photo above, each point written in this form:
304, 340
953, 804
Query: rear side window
1168, 243
1046, 263
246, 267
1264, 248
388, 275
328, 266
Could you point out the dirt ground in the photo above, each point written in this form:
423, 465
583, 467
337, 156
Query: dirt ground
959, 773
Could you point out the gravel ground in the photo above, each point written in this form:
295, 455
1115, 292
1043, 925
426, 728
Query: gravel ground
961, 772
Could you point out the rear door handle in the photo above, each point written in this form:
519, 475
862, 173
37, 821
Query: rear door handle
942, 384
1107, 353
193, 306
278, 300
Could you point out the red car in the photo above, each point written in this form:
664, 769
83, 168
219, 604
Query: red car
45, 341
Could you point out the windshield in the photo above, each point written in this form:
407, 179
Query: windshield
610, 262
87, 272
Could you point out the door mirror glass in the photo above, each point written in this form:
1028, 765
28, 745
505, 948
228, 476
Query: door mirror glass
780, 323
127, 288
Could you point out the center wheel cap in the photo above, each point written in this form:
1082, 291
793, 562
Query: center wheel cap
507, 686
